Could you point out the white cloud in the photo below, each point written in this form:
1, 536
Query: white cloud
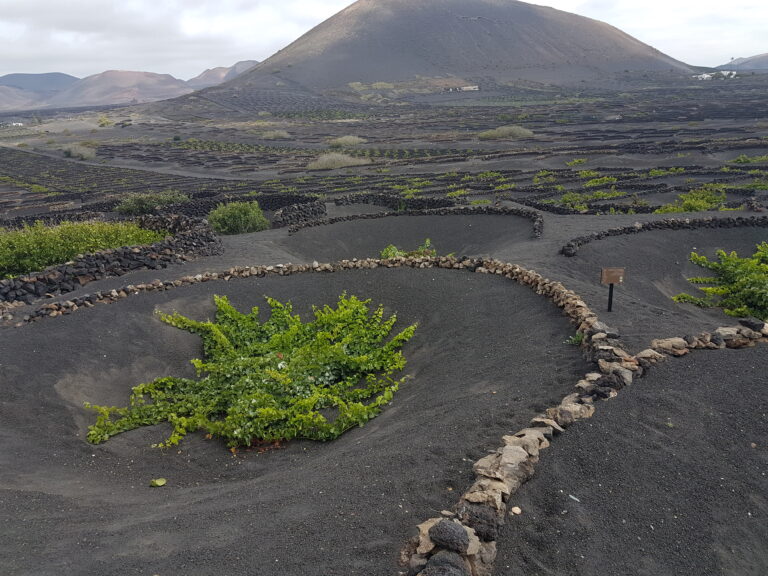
699, 32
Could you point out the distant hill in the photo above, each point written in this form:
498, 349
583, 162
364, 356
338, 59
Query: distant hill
119, 87
57, 90
434, 44
396, 40
209, 77
759, 62
239, 68
25, 91
41, 83
214, 76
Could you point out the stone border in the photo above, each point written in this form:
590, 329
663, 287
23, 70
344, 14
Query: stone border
572, 247
536, 218
191, 237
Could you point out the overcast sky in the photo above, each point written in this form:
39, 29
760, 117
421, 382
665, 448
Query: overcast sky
184, 37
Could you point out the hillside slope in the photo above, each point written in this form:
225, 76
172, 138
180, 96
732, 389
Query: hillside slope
758, 62
398, 40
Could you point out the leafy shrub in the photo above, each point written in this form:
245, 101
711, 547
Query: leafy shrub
579, 200
79, 152
138, 204
506, 133
655, 172
576, 162
38, 246
603, 181
740, 285
276, 380
425, 250
585, 174
238, 218
544, 177
346, 141
708, 197
457, 193
334, 160
757, 184
744, 159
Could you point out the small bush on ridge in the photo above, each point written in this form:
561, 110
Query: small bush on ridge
238, 218
334, 160
393, 251
506, 132
140, 204
708, 197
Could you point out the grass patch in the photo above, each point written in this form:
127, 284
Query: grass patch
275, 135
578, 201
37, 246
544, 177
346, 141
602, 181
138, 204
744, 159
739, 286
708, 197
506, 133
238, 218
333, 160
277, 380
656, 172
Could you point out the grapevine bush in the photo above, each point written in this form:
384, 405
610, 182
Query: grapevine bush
740, 285
238, 218
426, 250
708, 197
36, 246
275, 380
151, 202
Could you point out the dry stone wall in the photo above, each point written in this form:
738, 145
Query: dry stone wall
572, 247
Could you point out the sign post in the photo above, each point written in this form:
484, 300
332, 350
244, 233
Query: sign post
612, 276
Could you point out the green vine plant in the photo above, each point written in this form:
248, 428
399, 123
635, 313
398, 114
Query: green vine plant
281, 379
425, 250
740, 285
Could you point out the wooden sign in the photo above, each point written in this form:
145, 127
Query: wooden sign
612, 276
